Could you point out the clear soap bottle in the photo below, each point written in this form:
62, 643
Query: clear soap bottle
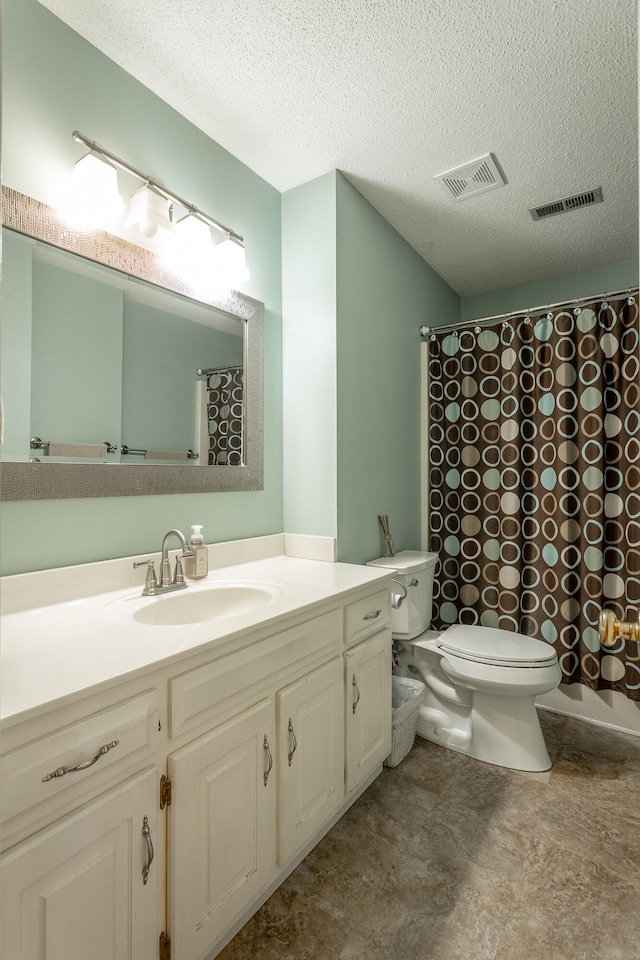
197, 566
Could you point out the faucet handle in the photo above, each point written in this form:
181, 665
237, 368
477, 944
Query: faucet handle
178, 574
151, 581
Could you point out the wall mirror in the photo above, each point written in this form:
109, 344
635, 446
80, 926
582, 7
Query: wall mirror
117, 382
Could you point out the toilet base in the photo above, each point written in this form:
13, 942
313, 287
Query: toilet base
505, 733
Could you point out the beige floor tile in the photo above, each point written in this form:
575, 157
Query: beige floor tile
569, 908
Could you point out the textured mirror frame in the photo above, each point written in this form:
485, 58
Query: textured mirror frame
56, 481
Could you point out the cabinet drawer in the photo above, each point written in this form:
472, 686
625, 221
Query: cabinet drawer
133, 723
231, 682
364, 617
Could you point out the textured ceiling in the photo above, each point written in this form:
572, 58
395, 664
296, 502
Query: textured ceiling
392, 92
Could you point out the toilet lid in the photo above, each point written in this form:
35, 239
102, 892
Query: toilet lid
499, 647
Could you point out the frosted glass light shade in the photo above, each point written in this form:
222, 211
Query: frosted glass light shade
149, 213
189, 253
94, 198
230, 262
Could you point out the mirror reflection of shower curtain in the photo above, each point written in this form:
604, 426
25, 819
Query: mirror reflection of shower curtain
225, 416
534, 429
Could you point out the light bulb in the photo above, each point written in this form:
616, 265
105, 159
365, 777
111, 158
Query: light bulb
149, 213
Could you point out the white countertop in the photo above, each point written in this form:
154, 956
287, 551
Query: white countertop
58, 649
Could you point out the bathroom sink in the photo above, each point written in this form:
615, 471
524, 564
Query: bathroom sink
200, 604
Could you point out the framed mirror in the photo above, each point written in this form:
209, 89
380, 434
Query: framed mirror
116, 380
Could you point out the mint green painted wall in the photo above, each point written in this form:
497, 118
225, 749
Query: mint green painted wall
385, 291
15, 356
309, 356
584, 283
53, 83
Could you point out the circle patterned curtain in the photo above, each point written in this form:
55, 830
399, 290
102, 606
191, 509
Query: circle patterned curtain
225, 392
534, 430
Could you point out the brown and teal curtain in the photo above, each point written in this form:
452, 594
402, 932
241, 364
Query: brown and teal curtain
534, 429
225, 415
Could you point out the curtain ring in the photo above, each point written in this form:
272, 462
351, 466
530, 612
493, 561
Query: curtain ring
432, 338
527, 319
631, 301
477, 330
549, 315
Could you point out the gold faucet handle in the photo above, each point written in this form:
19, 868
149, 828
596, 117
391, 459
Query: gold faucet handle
611, 629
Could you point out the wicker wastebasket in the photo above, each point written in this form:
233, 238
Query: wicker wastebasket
406, 697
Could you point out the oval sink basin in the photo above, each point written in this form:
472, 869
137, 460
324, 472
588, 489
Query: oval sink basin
213, 602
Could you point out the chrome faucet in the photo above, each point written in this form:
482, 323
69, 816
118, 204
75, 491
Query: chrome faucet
153, 586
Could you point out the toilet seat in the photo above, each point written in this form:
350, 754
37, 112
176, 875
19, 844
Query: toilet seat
494, 647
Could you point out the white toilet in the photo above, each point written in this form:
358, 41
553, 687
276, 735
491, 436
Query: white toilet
481, 682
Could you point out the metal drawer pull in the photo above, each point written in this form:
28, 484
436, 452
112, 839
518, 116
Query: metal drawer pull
372, 616
357, 699
146, 833
292, 740
265, 745
62, 771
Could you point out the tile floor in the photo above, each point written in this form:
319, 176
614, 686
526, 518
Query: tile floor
447, 858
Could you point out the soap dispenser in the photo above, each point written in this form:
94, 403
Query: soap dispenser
197, 566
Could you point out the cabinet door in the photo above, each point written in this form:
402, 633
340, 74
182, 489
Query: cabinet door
310, 716
221, 827
368, 706
76, 890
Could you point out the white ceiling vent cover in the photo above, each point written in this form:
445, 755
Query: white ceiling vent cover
477, 176
576, 202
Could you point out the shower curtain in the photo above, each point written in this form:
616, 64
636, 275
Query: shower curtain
225, 415
534, 481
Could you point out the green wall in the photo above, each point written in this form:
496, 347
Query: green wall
55, 82
584, 283
385, 291
354, 296
309, 357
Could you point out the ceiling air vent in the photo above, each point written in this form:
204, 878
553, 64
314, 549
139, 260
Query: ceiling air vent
586, 199
477, 176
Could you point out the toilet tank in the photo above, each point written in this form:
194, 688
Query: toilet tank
414, 569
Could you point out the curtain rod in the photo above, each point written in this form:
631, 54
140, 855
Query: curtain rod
425, 331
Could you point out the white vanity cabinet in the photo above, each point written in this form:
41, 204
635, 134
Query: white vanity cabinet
221, 827
310, 757
367, 687
246, 798
257, 735
77, 889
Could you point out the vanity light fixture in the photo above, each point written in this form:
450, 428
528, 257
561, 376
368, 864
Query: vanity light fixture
150, 213
93, 199
199, 262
